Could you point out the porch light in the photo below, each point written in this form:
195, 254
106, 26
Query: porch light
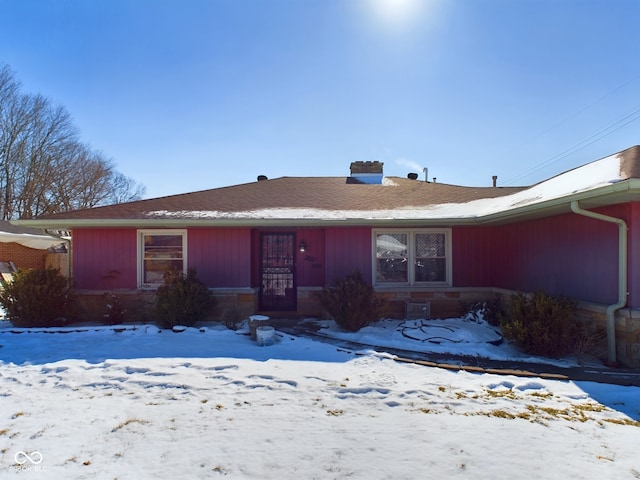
302, 247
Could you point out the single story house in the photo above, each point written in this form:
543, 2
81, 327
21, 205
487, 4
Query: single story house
266, 246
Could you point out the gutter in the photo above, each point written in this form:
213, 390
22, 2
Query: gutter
627, 189
622, 274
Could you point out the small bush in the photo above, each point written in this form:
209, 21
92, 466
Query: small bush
114, 310
38, 298
232, 318
351, 302
492, 310
541, 324
182, 299
590, 341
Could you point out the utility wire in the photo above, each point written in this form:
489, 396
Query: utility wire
534, 169
578, 112
624, 121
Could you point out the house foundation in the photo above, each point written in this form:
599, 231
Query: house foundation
627, 331
442, 303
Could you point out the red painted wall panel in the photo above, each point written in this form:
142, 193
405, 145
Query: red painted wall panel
469, 254
348, 249
104, 258
565, 254
221, 256
631, 214
310, 265
331, 253
633, 275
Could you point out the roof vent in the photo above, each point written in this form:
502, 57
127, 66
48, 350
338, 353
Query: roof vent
412, 176
262, 177
367, 172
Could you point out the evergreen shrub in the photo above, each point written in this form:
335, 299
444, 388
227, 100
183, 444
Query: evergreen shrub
38, 298
182, 299
351, 302
542, 324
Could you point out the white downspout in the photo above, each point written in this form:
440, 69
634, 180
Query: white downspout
622, 274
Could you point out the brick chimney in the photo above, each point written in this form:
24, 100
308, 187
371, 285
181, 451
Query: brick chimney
367, 172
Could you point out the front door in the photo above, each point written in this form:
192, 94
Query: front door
278, 271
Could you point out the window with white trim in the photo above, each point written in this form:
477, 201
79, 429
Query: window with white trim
412, 257
160, 251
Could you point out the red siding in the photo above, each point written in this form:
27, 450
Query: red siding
566, 254
310, 266
221, 256
469, 252
97, 252
331, 253
633, 222
348, 249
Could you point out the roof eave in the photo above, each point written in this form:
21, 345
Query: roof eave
71, 224
620, 192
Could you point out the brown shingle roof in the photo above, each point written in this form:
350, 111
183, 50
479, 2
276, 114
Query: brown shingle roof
306, 200
321, 193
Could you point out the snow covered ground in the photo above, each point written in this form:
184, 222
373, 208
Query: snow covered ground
144, 403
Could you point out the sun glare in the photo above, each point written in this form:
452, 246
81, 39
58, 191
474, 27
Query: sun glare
396, 14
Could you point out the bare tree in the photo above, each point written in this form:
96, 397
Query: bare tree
50, 135
124, 189
84, 181
44, 168
14, 128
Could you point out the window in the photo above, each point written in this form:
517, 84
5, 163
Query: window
392, 257
412, 257
430, 257
160, 251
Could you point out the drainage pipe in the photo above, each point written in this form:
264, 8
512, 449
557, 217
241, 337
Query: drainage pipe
622, 274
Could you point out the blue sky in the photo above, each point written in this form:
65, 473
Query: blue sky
189, 95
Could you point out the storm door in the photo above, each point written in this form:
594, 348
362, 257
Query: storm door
278, 271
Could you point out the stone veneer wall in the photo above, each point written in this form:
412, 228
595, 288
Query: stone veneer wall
628, 337
139, 304
627, 327
444, 303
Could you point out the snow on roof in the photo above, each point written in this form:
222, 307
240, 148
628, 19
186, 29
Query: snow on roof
582, 179
28, 237
305, 200
39, 242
